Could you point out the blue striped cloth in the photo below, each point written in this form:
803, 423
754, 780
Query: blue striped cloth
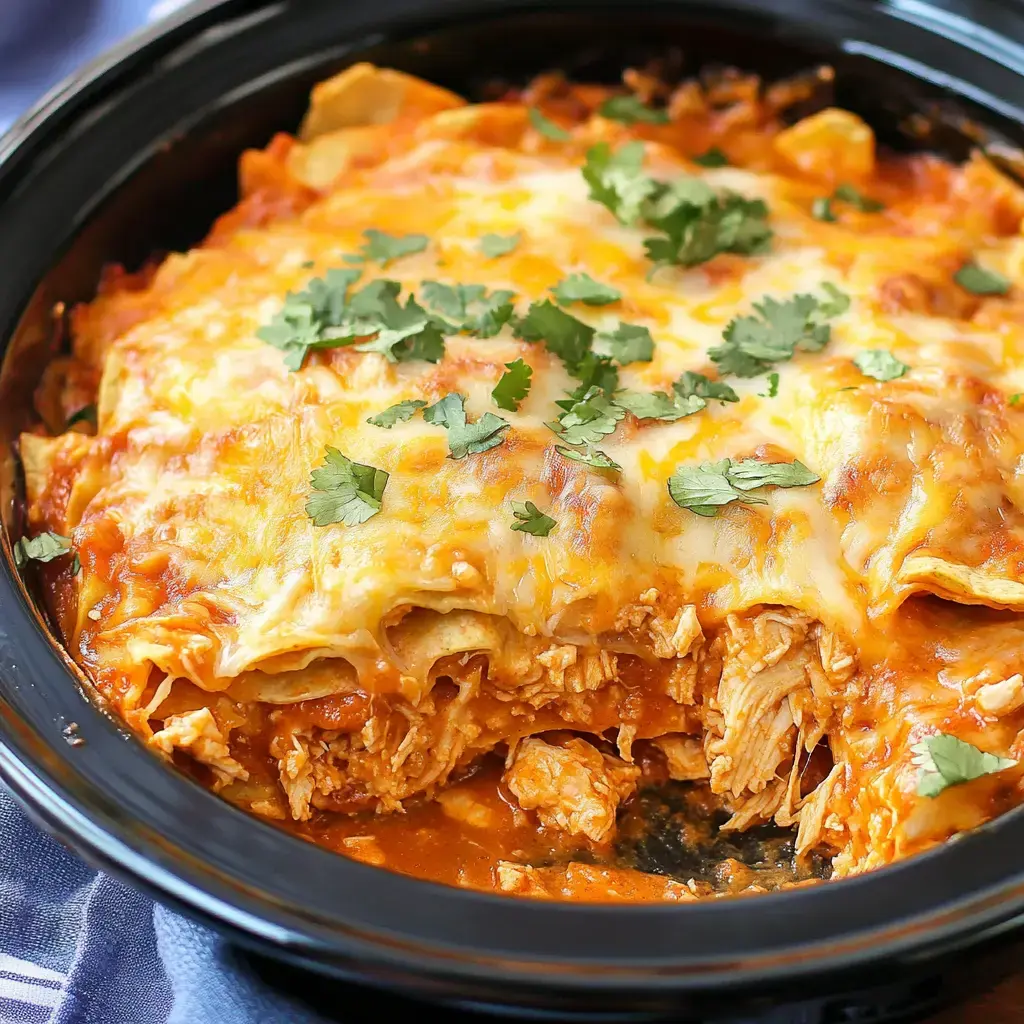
76, 946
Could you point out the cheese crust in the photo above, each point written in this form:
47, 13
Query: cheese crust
352, 668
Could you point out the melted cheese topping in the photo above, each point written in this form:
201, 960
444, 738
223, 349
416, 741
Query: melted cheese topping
186, 506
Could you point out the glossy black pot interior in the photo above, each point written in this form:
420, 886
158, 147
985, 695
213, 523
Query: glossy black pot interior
139, 155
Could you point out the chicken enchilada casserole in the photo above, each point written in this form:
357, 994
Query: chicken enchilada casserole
504, 489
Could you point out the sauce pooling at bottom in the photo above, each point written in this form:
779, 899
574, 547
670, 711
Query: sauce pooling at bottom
671, 830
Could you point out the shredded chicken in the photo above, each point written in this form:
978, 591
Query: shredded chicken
572, 786
773, 689
461, 806
684, 756
814, 810
198, 733
1001, 698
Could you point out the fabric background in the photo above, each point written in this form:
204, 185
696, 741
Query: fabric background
78, 947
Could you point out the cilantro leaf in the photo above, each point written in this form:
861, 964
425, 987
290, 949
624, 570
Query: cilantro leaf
753, 343
848, 194
562, 334
305, 315
530, 519
589, 455
384, 248
979, 281
773, 386
44, 548
87, 414
629, 110
821, 209
514, 385
344, 491
713, 157
628, 343
656, 405
617, 180
583, 288
453, 300
595, 371
325, 315
697, 224
407, 332
880, 364
495, 311
547, 127
396, 413
470, 307
493, 246
837, 303
705, 488
943, 760
691, 383
465, 438
1015, 399
588, 419
750, 473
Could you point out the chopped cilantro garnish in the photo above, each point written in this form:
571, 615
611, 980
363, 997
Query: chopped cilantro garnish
979, 281
630, 109
943, 760
87, 414
403, 332
583, 288
306, 315
821, 209
493, 246
589, 455
530, 519
617, 180
383, 248
594, 371
514, 385
547, 127
748, 474
753, 343
344, 491
465, 438
773, 386
628, 343
656, 405
691, 383
713, 157
396, 413
44, 548
705, 488
1016, 399
859, 201
564, 335
697, 224
880, 364
470, 307
325, 315
588, 419
837, 303
453, 300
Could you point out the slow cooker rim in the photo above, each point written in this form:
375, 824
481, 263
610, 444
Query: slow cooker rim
34, 784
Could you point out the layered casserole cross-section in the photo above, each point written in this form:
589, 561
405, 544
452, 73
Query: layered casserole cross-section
576, 442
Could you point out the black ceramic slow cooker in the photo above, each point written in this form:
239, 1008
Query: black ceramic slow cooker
137, 154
